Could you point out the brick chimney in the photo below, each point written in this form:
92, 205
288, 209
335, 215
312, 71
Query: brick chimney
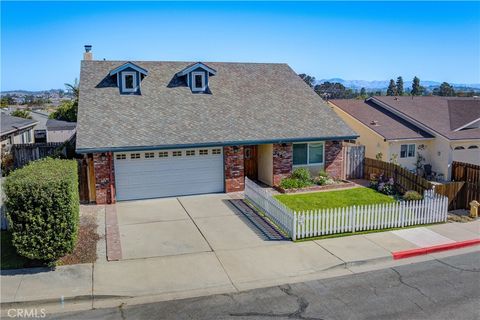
88, 55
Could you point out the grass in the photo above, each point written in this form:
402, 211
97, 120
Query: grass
333, 199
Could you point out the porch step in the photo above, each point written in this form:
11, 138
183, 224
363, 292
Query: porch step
265, 227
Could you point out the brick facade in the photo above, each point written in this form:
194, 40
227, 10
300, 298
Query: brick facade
234, 168
334, 156
282, 161
104, 177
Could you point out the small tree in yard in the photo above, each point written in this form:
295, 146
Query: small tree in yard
21, 114
392, 88
42, 203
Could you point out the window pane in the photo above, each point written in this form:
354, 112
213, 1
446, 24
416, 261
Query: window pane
403, 151
198, 81
411, 150
129, 81
315, 153
300, 153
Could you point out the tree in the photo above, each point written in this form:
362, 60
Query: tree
363, 92
333, 90
67, 111
392, 88
400, 90
445, 90
308, 79
417, 89
21, 114
7, 100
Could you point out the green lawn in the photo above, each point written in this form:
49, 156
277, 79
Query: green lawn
10, 259
333, 199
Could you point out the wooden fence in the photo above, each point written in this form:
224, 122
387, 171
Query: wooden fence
27, 152
354, 161
311, 223
403, 178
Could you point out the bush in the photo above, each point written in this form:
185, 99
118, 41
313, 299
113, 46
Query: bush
292, 183
384, 185
43, 208
302, 174
412, 195
323, 179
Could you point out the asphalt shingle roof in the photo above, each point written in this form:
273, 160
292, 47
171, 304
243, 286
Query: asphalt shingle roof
12, 124
383, 122
53, 124
249, 102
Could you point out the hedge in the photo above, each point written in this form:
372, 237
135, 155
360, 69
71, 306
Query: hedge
42, 204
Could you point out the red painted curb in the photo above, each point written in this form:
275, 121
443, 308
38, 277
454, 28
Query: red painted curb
443, 247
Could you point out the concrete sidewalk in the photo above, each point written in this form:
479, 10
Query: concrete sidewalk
222, 271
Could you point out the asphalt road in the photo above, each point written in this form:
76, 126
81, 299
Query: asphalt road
440, 289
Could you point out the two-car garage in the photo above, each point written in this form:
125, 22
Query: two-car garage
166, 173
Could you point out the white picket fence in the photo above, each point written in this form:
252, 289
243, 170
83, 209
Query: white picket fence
433, 208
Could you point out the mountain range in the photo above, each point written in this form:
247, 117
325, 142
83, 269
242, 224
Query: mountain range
383, 84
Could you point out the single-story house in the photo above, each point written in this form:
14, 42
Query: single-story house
40, 129
15, 130
60, 131
156, 129
439, 129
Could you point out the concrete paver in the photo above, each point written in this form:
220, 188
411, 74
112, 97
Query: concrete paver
354, 249
454, 231
160, 275
390, 241
422, 237
144, 211
209, 205
161, 239
471, 226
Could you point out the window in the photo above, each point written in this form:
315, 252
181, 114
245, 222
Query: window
473, 147
135, 156
190, 152
121, 156
198, 81
216, 151
308, 153
203, 152
177, 153
26, 137
459, 148
129, 80
149, 155
407, 150
163, 154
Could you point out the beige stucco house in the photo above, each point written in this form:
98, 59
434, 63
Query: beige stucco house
400, 129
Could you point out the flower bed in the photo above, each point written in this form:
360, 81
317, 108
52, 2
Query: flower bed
339, 184
300, 181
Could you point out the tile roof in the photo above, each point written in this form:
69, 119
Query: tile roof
249, 102
439, 114
11, 124
383, 122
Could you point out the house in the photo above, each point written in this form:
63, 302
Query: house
439, 129
60, 131
15, 130
157, 129
40, 129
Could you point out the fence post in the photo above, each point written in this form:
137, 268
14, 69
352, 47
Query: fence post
294, 227
354, 218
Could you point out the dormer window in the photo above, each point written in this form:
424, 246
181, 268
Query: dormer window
198, 81
129, 81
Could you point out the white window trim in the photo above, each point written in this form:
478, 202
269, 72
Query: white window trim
408, 144
129, 73
196, 73
308, 164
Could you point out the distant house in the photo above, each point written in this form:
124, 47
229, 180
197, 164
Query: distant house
15, 130
440, 129
60, 131
40, 129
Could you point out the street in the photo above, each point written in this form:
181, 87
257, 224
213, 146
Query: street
447, 288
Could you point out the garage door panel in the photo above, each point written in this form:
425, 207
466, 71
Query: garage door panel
155, 177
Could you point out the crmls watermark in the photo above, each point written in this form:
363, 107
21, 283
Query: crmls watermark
27, 313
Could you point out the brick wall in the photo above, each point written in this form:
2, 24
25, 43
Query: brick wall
334, 158
234, 168
104, 177
282, 161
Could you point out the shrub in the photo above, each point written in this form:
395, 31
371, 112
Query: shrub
412, 195
292, 183
384, 184
43, 208
302, 174
323, 179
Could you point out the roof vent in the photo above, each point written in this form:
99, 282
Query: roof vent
396, 98
374, 123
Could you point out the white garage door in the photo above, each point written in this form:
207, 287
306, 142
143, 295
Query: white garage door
165, 173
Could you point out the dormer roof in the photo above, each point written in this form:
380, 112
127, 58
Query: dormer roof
195, 66
126, 66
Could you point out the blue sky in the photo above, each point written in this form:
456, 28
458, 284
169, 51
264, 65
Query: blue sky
42, 42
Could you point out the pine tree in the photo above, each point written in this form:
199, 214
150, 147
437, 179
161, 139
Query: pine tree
417, 89
392, 89
363, 92
400, 90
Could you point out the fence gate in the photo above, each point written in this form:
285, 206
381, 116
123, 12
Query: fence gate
355, 157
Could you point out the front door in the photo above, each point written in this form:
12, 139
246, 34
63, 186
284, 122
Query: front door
250, 156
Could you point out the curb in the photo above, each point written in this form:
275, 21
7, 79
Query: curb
443, 247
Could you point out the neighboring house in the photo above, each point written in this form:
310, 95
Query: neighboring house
60, 131
441, 129
40, 129
15, 130
157, 129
